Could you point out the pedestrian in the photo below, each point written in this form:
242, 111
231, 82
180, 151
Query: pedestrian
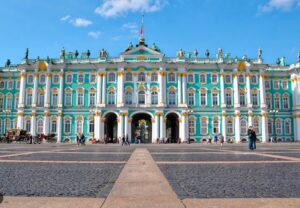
216, 139
254, 139
82, 139
209, 139
127, 140
123, 140
78, 138
251, 135
221, 140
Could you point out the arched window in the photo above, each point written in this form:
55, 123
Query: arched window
171, 77
254, 98
203, 78
92, 98
277, 101
287, 126
154, 77
68, 98
241, 79
256, 125
69, 78
29, 98
79, 126
216, 126
172, 98
278, 125
91, 126
192, 125
80, 78
41, 98
27, 125
80, 97
243, 127
9, 101
141, 77
242, 98
111, 98
285, 101
53, 126
142, 97
270, 126
230, 125
67, 126
215, 99
204, 126
128, 77
111, 77
228, 97
203, 97
154, 98
191, 98
128, 98
39, 126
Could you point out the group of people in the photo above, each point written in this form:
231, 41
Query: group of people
80, 139
251, 138
125, 140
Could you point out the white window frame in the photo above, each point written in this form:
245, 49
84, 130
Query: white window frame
154, 77
191, 78
111, 77
212, 80
92, 78
171, 77
40, 79
71, 78
230, 79
54, 81
80, 78
203, 76
29, 80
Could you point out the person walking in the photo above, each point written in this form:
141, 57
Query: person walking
78, 138
216, 139
221, 138
127, 140
82, 139
251, 136
123, 140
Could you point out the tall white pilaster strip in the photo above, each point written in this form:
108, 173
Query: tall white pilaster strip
33, 124
237, 127
249, 103
298, 129
154, 128
223, 105
135, 91
104, 89
183, 131
120, 86
59, 127
22, 90
162, 87
224, 125
129, 128
162, 127
61, 89
264, 127
99, 90
184, 90
250, 118
179, 76
97, 125
236, 90
120, 125
46, 123
101, 127
48, 88
126, 125
35, 86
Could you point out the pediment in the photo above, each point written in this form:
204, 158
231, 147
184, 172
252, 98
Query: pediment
142, 53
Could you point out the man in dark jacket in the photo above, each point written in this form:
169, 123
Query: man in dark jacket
251, 137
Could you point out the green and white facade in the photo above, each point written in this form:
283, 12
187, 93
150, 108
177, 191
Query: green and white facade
142, 92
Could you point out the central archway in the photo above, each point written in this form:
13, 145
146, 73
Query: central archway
172, 128
141, 128
111, 128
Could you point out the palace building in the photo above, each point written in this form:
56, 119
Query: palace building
144, 94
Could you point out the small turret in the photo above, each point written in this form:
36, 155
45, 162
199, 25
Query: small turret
207, 53
62, 53
7, 63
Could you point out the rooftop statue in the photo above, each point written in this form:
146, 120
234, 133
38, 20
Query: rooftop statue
48, 59
207, 53
103, 53
278, 61
299, 57
220, 53
76, 54
130, 46
227, 55
8, 62
282, 61
154, 47
196, 53
88, 53
62, 53
260, 53
26, 54
180, 54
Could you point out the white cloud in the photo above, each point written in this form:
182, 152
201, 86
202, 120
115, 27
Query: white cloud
114, 8
130, 25
116, 38
283, 5
65, 18
94, 34
80, 22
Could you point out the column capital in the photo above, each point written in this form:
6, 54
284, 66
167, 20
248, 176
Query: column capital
224, 114
264, 114
250, 114
237, 114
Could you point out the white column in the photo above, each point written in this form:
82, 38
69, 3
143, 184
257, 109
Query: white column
236, 90
162, 87
129, 129
179, 77
61, 89
224, 133
248, 90
223, 105
237, 127
184, 90
134, 95
97, 118
183, 128
264, 127
298, 129
20, 121
46, 122
126, 125
104, 89
101, 127
35, 86
33, 124
99, 90
162, 126
48, 89
250, 118
22, 90
120, 125
154, 128
262, 91
59, 127
120, 90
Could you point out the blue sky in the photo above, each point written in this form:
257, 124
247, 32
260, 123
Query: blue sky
238, 26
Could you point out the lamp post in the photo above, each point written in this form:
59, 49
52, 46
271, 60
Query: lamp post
189, 111
274, 112
6, 111
92, 111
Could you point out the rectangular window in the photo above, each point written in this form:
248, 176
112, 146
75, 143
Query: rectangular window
215, 99
228, 79
284, 84
18, 84
29, 99
228, 99
267, 84
216, 129
202, 78
229, 127
270, 129
92, 78
254, 99
16, 101
242, 99
30, 79
171, 77
55, 99
254, 79
276, 84
55, 78
42, 78
92, 99
68, 100
191, 126
203, 99
277, 102
53, 126
79, 126
91, 126
214, 78
80, 99
191, 99
10, 85
2, 84
190, 78
204, 127
9, 103
67, 126
80, 78
268, 102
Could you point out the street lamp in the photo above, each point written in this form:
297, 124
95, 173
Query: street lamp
189, 111
274, 112
93, 111
6, 111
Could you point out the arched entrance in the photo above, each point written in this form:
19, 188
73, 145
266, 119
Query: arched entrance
111, 128
141, 128
172, 128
